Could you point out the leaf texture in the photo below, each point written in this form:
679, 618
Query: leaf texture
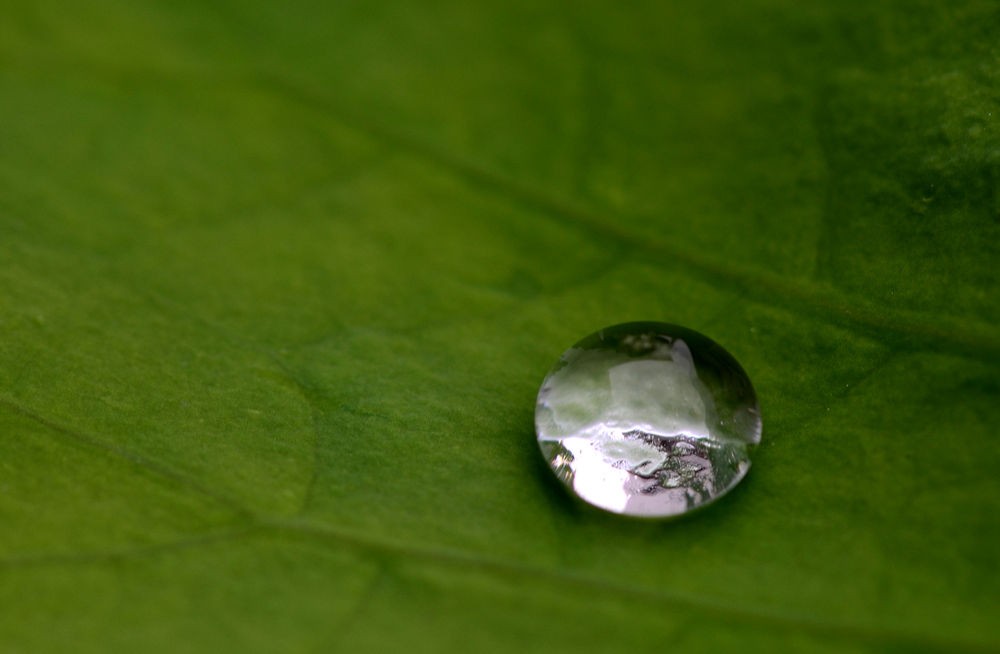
279, 282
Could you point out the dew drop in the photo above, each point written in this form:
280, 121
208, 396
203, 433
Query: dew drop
647, 419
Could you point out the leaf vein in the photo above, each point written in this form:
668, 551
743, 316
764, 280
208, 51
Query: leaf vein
157, 470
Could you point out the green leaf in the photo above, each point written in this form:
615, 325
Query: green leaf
279, 283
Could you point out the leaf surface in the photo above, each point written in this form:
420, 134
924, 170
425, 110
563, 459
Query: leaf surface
279, 282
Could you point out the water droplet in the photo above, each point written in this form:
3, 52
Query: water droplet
647, 419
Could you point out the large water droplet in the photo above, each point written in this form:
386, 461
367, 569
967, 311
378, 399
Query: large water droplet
648, 419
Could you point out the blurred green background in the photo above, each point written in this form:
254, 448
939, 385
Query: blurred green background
279, 281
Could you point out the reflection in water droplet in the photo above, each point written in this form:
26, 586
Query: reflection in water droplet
648, 419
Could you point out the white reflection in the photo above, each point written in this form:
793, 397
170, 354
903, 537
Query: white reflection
594, 479
599, 399
599, 394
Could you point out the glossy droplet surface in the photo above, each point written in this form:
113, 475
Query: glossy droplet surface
647, 419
